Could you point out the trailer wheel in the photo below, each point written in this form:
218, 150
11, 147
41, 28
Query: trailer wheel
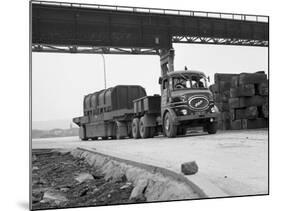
212, 127
144, 131
129, 129
169, 127
135, 128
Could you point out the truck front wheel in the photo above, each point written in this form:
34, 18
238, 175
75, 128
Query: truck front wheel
212, 127
170, 129
135, 128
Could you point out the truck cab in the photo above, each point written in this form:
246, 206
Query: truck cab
186, 101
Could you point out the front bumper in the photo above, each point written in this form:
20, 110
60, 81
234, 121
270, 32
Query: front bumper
196, 116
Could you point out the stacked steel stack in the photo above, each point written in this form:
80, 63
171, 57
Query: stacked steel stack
221, 91
242, 100
248, 101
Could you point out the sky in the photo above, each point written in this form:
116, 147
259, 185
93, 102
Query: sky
60, 81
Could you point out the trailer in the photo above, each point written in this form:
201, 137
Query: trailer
126, 111
108, 113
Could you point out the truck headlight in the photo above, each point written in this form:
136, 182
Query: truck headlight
214, 109
184, 111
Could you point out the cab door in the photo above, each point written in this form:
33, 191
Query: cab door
164, 93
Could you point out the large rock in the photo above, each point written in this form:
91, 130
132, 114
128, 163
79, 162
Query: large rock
82, 177
138, 191
127, 185
54, 196
37, 195
113, 172
34, 168
189, 168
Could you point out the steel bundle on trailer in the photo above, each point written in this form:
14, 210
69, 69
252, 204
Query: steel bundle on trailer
107, 112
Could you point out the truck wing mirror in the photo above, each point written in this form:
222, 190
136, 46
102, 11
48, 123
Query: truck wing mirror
160, 80
208, 79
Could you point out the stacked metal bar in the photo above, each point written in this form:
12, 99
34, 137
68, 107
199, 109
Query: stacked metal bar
242, 100
248, 101
221, 91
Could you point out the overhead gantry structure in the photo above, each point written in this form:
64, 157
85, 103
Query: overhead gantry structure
90, 28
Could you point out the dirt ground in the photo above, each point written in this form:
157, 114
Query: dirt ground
55, 185
236, 162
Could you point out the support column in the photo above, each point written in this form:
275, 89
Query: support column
167, 61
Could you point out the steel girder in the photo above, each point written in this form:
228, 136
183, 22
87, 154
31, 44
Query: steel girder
219, 41
92, 50
76, 28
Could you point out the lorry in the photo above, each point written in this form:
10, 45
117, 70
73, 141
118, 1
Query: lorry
126, 110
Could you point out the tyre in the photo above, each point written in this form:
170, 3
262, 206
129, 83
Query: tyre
130, 135
212, 127
170, 129
104, 138
144, 131
135, 128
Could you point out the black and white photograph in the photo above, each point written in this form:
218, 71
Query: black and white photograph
140, 104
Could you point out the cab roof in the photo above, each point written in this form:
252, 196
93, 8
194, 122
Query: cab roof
191, 72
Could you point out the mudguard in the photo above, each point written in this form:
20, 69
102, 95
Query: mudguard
173, 114
149, 120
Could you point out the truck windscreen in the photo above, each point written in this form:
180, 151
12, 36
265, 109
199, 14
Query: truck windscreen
182, 81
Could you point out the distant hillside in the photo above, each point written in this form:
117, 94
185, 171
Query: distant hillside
52, 124
55, 133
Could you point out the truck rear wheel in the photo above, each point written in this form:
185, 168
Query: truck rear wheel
135, 128
144, 131
169, 127
212, 127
